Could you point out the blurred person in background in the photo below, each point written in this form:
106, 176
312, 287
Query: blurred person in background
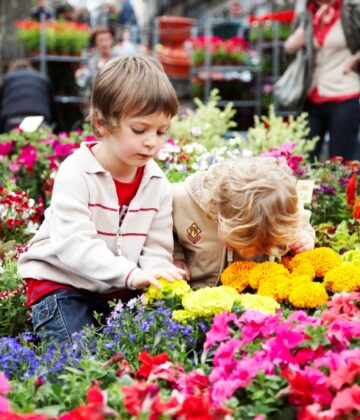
102, 39
127, 18
125, 46
25, 92
41, 11
330, 31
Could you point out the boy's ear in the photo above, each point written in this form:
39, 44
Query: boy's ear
99, 124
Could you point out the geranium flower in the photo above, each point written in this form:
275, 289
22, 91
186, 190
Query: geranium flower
138, 395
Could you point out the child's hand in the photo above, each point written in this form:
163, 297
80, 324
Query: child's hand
303, 243
143, 278
182, 264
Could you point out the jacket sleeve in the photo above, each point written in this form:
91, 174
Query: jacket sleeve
304, 222
158, 247
74, 238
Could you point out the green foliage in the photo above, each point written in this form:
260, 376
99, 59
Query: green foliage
206, 125
13, 311
344, 237
261, 397
272, 131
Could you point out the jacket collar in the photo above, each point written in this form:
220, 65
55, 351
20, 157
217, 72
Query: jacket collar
88, 163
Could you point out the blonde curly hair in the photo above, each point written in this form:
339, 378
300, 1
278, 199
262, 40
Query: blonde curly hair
255, 203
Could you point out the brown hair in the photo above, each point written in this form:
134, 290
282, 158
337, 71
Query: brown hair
255, 203
99, 31
131, 86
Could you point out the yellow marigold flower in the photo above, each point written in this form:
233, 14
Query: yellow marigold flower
265, 270
267, 287
182, 316
177, 288
322, 259
304, 268
352, 257
308, 295
210, 301
285, 285
265, 304
344, 278
237, 275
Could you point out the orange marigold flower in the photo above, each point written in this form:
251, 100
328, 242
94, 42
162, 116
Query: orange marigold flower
304, 269
267, 287
322, 259
265, 270
237, 275
285, 261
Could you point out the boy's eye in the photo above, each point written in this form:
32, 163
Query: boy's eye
161, 133
137, 131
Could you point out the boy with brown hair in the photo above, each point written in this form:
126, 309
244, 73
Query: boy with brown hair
238, 209
109, 225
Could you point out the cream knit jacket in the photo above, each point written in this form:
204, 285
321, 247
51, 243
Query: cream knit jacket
80, 243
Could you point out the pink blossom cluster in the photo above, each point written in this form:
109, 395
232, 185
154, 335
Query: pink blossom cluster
285, 152
314, 354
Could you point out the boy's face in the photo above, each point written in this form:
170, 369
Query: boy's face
138, 139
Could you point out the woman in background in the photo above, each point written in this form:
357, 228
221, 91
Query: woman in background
331, 35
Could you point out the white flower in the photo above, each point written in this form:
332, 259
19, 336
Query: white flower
1, 269
247, 153
196, 131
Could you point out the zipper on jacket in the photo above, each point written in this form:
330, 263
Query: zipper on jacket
119, 241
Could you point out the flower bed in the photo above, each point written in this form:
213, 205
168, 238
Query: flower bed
277, 340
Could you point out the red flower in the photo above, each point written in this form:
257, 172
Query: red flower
300, 389
351, 190
15, 416
83, 412
136, 394
195, 408
95, 396
149, 362
159, 407
357, 210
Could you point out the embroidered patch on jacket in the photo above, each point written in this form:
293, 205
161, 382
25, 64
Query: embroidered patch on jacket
193, 233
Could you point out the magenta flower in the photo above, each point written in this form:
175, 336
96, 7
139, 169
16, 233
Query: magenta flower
6, 148
219, 330
27, 157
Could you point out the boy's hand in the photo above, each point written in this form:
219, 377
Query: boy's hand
303, 243
182, 264
143, 278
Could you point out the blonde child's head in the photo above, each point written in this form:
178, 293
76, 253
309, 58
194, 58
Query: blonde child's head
131, 86
255, 203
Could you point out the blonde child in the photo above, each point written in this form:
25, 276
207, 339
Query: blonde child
109, 225
238, 209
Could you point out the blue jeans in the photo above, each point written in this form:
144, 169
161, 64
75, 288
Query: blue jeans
61, 313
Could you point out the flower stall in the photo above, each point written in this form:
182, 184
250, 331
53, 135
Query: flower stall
276, 340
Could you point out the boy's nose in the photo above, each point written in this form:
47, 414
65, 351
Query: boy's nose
151, 140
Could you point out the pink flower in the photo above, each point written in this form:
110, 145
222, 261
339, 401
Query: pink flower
347, 401
4, 405
4, 384
219, 330
344, 375
14, 167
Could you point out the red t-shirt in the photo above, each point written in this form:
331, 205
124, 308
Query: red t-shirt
36, 289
